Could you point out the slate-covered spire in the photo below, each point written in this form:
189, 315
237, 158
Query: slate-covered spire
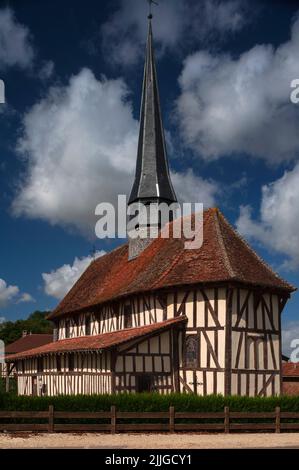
152, 180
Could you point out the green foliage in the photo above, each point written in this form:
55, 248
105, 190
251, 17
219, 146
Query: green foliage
147, 402
35, 323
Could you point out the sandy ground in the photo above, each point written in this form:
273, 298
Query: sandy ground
149, 441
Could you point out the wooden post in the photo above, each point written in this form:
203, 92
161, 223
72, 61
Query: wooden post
277, 419
113, 362
171, 419
226, 419
176, 359
51, 419
113, 420
228, 342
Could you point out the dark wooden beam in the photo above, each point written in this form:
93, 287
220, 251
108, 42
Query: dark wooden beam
228, 341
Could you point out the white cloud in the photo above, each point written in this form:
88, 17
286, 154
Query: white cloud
26, 298
289, 332
124, 33
192, 188
81, 143
278, 224
241, 105
2, 320
7, 293
11, 294
58, 282
15, 44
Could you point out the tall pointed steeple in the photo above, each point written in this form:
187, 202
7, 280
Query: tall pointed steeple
152, 185
152, 180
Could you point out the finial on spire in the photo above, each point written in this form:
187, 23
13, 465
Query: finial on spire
150, 2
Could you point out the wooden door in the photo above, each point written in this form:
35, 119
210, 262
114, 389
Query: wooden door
143, 383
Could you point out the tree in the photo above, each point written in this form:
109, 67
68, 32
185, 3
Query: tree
35, 323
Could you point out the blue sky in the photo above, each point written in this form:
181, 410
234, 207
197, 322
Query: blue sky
68, 130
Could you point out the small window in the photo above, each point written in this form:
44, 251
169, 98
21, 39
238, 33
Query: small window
191, 351
87, 325
127, 316
67, 328
40, 364
58, 363
71, 362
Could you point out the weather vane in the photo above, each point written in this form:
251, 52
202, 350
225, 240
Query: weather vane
150, 2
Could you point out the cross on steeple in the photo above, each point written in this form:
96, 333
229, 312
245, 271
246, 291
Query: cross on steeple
150, 2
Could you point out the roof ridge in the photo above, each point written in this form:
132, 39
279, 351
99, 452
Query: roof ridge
252, 251
216, 213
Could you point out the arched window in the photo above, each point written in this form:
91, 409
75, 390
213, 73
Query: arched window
191, 351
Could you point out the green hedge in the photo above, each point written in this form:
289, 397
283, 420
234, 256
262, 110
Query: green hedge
147, 402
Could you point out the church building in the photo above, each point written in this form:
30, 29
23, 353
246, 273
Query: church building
152, 316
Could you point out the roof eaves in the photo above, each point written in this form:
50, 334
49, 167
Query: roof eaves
163, 326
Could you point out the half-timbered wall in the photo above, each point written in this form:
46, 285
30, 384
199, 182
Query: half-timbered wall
230, 344
145, 309
206, 313
152, 356
91, 374
255, 343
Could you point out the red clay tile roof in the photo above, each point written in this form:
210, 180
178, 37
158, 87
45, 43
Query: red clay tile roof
290, 369
28, 342
223, 256
96, 342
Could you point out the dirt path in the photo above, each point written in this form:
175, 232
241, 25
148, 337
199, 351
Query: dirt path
149, 441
